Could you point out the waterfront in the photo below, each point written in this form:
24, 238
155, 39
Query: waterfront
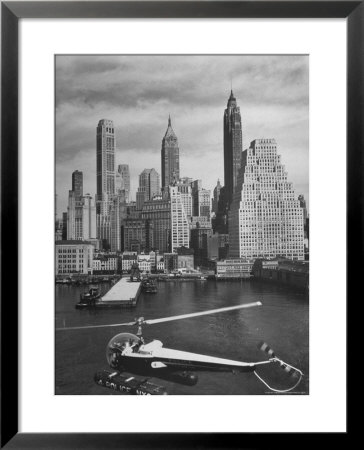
282, 322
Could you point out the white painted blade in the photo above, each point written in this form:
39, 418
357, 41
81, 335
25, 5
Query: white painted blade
95, 326
203, 313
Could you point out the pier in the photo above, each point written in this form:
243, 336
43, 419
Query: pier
124, 293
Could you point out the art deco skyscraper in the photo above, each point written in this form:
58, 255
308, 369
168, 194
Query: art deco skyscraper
170, 157
233, 145
105, 165
265, 218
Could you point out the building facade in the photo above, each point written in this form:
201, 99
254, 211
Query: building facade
73, 256
180, 230
149, 182
201, 200
105, 166
170, 157
122, 180
137, 235
234, 268
265, 218
77, 184
81, 217
158, 211
233, 145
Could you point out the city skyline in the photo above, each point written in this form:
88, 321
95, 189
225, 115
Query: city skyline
272, 93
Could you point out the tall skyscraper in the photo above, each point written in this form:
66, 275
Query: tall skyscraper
123, 180
170, 157
233, 145
105, 165
265, 218
77, 183
149, 182
180, 230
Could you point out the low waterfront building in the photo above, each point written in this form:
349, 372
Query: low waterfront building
105, 264
73, 256
170, 262
128, 259
234, 268
160, 263
185, 258
144, 263
284, 271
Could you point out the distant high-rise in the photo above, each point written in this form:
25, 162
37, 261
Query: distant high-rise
81, 217
233, 145
201, 200
105, 165
77, 183
149, 183
123, 180
265, 218
170, 157
215, 200
180, 230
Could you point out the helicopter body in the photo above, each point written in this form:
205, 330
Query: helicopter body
127, 352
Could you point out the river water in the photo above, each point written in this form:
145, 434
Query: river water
282, 322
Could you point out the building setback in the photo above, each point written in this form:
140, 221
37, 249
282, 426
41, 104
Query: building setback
265, 218
233, 145
170, 157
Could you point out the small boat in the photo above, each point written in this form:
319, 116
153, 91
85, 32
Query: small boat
149, 286
89, 298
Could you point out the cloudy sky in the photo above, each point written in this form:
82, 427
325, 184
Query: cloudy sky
138, 93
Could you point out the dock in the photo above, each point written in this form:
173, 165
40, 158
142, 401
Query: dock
124, 293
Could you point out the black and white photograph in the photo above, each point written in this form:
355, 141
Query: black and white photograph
181, 224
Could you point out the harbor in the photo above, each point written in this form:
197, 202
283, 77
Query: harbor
234, 335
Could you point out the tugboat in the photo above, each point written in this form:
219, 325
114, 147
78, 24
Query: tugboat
89, 298
149, 286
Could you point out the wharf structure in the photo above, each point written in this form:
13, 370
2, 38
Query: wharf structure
124, 293
283, 271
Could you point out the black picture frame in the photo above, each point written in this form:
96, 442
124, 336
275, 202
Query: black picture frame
11, 13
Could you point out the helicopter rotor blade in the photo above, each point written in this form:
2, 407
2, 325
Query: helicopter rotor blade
202, 313
95, 326
165, 319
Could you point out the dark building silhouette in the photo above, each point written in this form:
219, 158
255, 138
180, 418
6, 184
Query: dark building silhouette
233, 145
77, 184
170, 157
